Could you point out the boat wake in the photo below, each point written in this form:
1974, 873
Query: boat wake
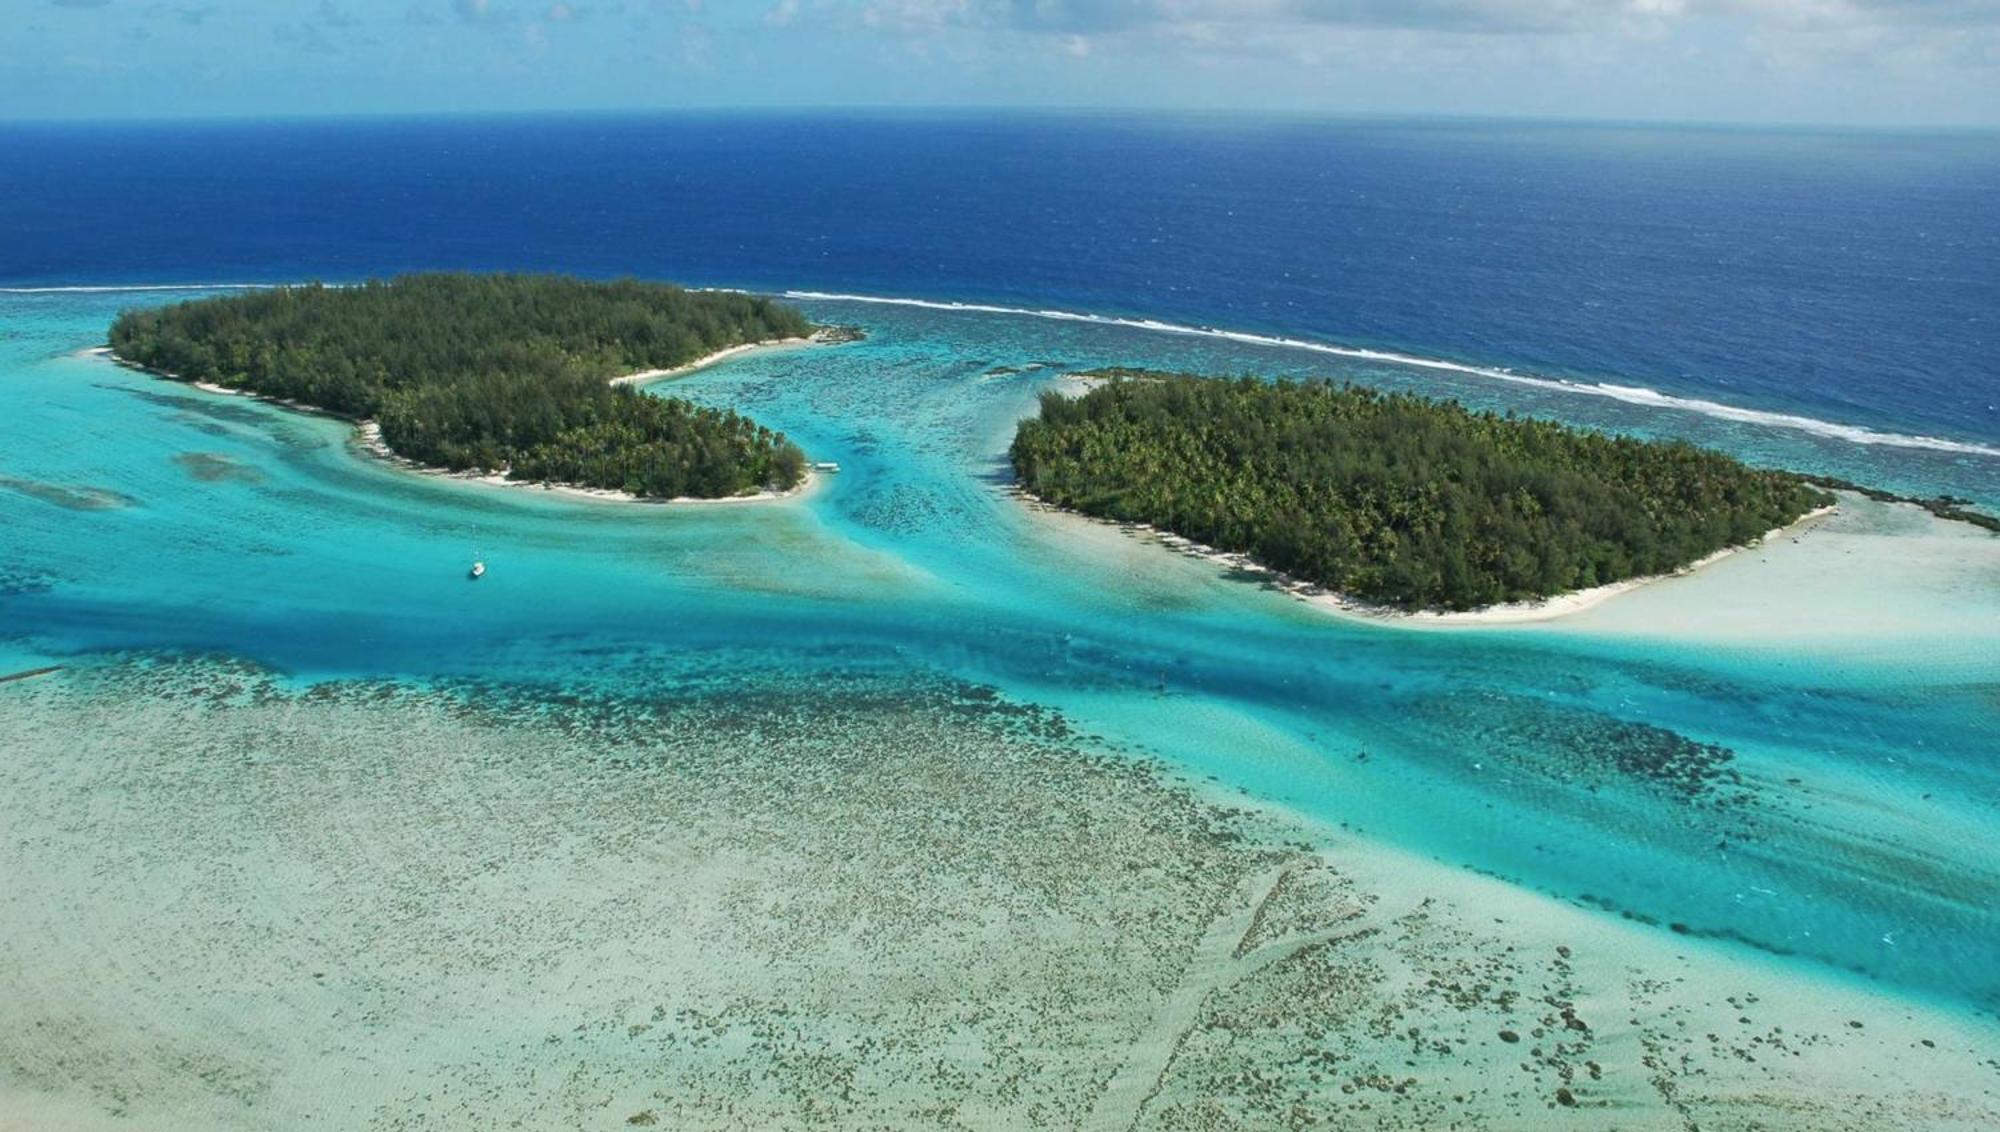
1630, 394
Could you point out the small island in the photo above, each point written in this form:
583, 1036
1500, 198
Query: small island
1394, 500
503, 374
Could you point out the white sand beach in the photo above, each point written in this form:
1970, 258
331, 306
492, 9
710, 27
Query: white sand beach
1871, 578
1515, 613
648, 376
1560, 606
368, 439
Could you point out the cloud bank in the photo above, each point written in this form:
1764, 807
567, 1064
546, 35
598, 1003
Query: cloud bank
1826, 61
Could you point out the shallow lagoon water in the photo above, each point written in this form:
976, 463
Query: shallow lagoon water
1820, 798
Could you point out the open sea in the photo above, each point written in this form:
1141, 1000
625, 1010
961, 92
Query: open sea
1825, 302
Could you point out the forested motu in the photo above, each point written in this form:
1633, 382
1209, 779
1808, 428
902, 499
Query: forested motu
494, 372
1394, 499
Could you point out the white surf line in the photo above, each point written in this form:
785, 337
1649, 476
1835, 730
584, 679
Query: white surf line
112, 289
1630, 394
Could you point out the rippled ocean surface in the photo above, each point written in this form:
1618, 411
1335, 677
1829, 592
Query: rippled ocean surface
1827, 800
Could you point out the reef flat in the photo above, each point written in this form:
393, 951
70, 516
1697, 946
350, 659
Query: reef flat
754, 900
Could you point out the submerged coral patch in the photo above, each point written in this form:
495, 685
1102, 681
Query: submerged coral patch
212, 467
744, 897
233, 410
19, 579
73, 498
1574, 744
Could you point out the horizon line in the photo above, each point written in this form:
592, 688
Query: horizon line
973, 110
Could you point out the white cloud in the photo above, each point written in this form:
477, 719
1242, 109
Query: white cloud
1248, 19
1885, 35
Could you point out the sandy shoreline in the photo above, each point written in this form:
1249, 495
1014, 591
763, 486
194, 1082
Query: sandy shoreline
648, 376
1343, 605
368, 434
1561, 605
1351, 608
368, 438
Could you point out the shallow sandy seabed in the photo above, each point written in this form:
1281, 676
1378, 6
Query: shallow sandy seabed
235, 904
1873, 572
1868, 578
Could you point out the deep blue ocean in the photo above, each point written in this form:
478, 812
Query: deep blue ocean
1850, 278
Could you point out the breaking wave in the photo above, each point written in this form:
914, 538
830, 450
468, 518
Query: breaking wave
109, 289
1630, 394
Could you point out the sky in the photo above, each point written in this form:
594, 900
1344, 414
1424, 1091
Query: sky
1828, 62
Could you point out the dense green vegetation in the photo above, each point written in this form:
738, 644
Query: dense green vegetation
494, 372
1394, 499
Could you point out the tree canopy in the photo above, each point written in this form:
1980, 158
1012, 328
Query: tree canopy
494, 372
1395, 499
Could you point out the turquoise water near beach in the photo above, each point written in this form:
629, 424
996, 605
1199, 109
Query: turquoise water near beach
1829, 799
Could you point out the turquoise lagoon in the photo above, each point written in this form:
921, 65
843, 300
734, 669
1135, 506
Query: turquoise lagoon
1825, 796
